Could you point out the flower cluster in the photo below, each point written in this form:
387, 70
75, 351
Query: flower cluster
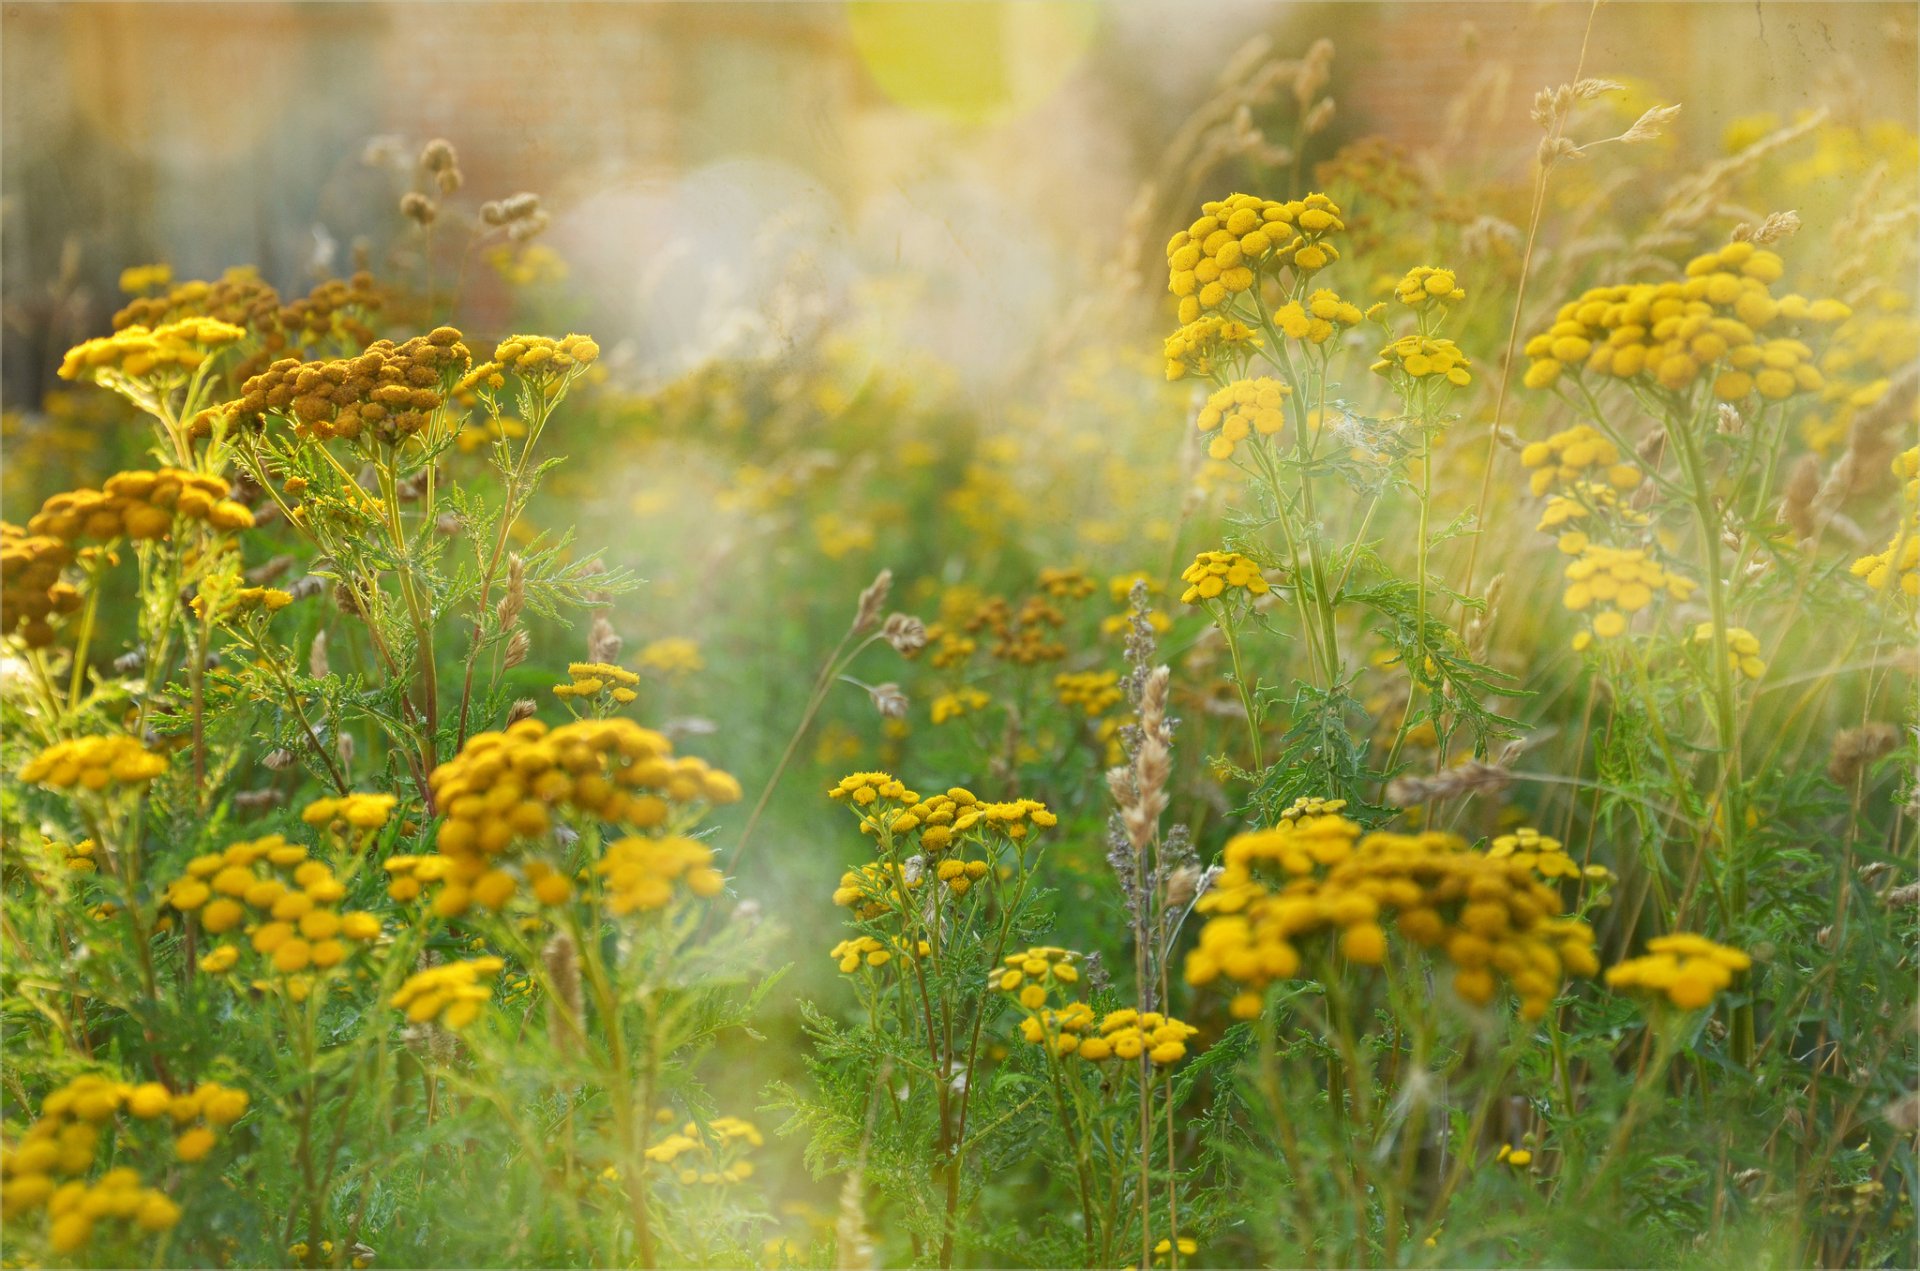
1545, 855
285, 903
1743, 649
876, 888
1612, 583
1898, 563
1419, 356
140, 505
1577, 505
1241, 410
93, 763
641, 872
451, 993
504, 787
1673, 333
720, 1147
1091, 692
1238, 237
673, 655
1689, 970
1565, 458
1213, 573
168, 352
1029, 974
859, 951
1060, 1031
1489, 915
1197, 345
591, 679
1319, 319
536, 357
1425, 285
957, 704
1128, 1034
390, 391
1064, 584
31, 588
361, 812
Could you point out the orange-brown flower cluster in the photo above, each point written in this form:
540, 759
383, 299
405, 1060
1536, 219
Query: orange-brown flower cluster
31, 588
140, 505
1491, 916
390, 391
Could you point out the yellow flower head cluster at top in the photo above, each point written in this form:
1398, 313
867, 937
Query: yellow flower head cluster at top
1319, 319
46, 1168
390, 390
1690, 970
1900, 560
1487, 915
1579, 453
1213, 574
1029, 974
285, 903
1123, 1034
537, 357
1610, 584
590, 679
866, 951
1241, 410
1312, 805
1064, 583
168, 352
1577, 505
357, 811
1240, 237
504, 788
1545, 856
93, 763
876, 888
673, 655
1091, 692
225, 607
140, 505
1425, 285
1197, 345
720, 1148
887, 809
451, 993
1743, 649
1673, 333
135, 279
31, 588
958, 704
1420, 356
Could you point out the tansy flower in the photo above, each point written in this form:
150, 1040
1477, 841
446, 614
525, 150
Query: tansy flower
1898, 565
1029, 974
591, 679
960, 702
451, 993
1743, 649
673, 655
1418, 357
1060, 1030
1237, 238
1610, 584
93, 763
1689, 970
1546, 856
1579, 453
1425, 285
1242, 409
1518, 1157
358, 811
168, 353
1197, 346
1213, 574
1317, 320
1091, 692
1128, 1034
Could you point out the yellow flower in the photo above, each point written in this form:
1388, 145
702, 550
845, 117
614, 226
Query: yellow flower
1689, 970
359, 811
1743, 649
1199, 344
1418, 357
1426, 285
1092, 692
1239, 238
962, 701
1243, 409
93, 763
451, 993
1214, 574
673, 655
1610, 584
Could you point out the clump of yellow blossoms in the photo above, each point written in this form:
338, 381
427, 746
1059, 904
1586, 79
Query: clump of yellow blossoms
1689, 970
93, 763
1425, 285
1900, 560
1197, 345
590, 679
1060, 1031
1611, 583
1128, 1034
859, 951
1064, 584
1673, 333
1319, 319
1242, 409
1577, 505
172, 350
1579, 452
389, 390
358, 811
640, 872
46, 1168
1743, 649
673, 655
135, 279
720, 1148
1092, 692
538, 357
875, 888
890, 811
958, 704
1489, 915
31, 589
1239, 237
140, 505
1420, 356
1213, 573
451, 993
1031, 972
281, 900
505, 787
1546, 856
